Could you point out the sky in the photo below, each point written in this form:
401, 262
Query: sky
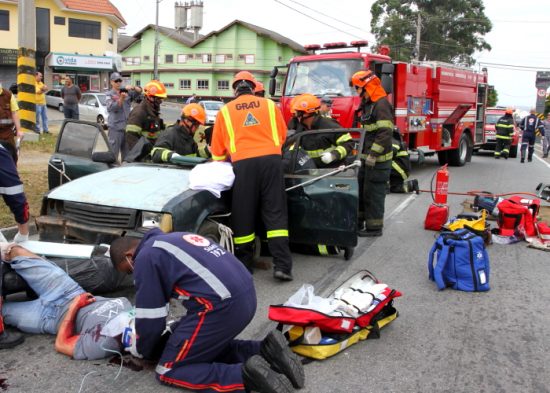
519, 38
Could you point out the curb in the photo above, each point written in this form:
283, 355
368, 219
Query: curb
10, 232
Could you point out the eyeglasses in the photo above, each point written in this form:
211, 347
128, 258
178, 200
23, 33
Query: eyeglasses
118, 81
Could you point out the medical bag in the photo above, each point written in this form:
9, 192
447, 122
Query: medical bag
459, 260
436, 217
519, 215
355, 311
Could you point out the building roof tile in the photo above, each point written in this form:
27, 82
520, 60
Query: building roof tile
95, 6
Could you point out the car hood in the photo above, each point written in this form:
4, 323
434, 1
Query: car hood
143, 187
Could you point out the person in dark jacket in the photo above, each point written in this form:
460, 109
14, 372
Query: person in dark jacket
216, 289
328, 149
531, 125
144, 120
504, 128
376, 114
178, 140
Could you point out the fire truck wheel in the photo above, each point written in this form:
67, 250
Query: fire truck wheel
443, 157
463, 154
513, 151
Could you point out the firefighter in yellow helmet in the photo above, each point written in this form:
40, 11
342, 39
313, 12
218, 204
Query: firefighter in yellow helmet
178, 140
376, 117
144, 121
504, 128
250, 131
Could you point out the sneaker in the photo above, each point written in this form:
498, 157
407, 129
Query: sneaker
282, 276
275, 350
529, 159
10, 339
545, 156
259, 377
523, 160
369, 233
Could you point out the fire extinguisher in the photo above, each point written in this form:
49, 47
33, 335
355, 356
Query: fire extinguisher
441, 185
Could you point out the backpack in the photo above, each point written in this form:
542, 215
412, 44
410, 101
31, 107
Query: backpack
459, 260
516, 213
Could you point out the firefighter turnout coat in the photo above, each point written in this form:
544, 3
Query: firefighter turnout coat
177, 139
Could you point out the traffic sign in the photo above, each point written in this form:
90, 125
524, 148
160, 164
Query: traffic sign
541, 93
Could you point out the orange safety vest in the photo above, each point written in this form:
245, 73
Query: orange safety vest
248, 127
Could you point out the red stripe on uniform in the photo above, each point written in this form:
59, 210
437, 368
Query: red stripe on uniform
214, 386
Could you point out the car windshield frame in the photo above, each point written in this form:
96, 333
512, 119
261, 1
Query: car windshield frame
212, 105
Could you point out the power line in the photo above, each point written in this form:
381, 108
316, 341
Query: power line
317, 20
515, 67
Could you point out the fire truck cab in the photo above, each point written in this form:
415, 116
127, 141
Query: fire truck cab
439, 108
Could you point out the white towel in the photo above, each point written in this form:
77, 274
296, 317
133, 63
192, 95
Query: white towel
212, 176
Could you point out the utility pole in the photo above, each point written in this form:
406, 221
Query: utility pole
417, 45
26, 64
156, 45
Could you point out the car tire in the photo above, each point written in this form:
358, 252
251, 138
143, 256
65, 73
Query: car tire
209, 230
463, 154
60, 107
101, 121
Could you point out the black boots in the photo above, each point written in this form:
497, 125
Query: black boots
369, 232
282, 276
10, 339
259, 377
275, 350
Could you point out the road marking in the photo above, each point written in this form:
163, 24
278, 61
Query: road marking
402, 206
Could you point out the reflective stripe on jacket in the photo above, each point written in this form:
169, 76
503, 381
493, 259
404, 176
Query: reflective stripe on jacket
247, 127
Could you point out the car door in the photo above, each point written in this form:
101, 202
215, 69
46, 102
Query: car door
82, 148
323, 202
84, 107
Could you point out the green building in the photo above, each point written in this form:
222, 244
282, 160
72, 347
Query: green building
205, 66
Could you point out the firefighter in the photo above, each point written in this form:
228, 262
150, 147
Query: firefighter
144, 119
401, 167
325, 149
259, 90
178, 140
250, 131
531, 126
376, 116
504, 129
11, 189
201, 353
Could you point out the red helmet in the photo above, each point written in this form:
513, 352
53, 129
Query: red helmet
244, 76
195, 112
306, 103
155, 88
259, 87
509, 111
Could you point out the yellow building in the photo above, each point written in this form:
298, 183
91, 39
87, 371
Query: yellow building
73, 38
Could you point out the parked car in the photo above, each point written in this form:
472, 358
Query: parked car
108, 200
53, 99
491, 117
92, 107
211, 108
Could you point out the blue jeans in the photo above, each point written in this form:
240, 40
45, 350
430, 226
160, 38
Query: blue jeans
71, 111
55, 290
41, 118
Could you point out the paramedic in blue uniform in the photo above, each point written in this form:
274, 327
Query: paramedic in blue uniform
530, 125
216, 289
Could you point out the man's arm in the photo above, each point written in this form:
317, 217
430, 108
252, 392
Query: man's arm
66, 339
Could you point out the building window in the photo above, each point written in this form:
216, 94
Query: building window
228, 57
220, 59
168, 85
278, 86
249, 59
138, 82
185, 84
207, 58
182, 59
59, 20
223, 85
168, 59
146, 58
4, 20
84, 29
110, 34
132, 60
203, 84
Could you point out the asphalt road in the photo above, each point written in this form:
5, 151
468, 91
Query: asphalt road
443, 341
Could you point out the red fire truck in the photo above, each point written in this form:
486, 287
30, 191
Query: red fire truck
439, 107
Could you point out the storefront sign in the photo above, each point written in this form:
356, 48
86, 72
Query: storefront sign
80, 61
8, 56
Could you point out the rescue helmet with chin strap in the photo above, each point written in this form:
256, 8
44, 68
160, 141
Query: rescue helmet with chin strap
155, 88
306, 103
194, 112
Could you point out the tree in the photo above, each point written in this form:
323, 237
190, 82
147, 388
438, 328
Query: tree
451, 30
492, 97
547, 105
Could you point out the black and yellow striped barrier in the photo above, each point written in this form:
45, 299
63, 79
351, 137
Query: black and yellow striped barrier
26, 94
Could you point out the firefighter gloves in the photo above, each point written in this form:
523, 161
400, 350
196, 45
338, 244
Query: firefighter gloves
370, 161
328, 157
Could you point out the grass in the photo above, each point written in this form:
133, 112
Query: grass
33, 171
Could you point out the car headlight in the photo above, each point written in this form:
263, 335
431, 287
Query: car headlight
157, 220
